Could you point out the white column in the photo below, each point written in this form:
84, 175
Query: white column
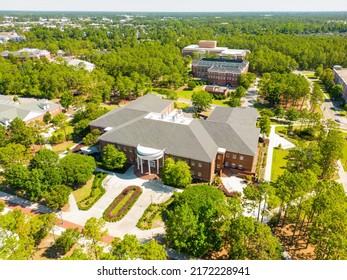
149, 167
141, 166
158, 166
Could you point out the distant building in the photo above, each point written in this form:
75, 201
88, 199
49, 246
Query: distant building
10, 36
217, 90
150, 130
26, 53
210, 47
81, 63
341, 79
27, 109
220, 71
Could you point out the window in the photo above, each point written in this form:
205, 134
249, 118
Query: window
241, 157
125, 149
131, 159
233, 165
218, 165
227, 155
226, 163
240, 166
192, 172
199, 174
193, 163
200, 164
219, 157
130, 150
119, 147
234, 156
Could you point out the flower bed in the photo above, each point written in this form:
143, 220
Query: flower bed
122, 204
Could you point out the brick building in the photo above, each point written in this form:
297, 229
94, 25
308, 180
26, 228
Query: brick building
149, 130
223, 72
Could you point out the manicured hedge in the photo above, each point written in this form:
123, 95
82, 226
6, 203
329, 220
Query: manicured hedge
108, 216
95, 194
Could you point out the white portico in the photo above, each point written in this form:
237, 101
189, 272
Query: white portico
151, 155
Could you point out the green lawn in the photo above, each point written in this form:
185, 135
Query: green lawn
279, 162
59, 148
187, 94
220, 102
84, 191
181, 105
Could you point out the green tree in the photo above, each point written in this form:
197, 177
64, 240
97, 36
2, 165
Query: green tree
331, 147
93, 231
66, 100
252, 240
13, 154
201, 100
112, 158
20, 133
265, 125
77, 254
91, 138
176, 174
16, 176
336, 91
57, 196
76, 169
196, 225
67, 240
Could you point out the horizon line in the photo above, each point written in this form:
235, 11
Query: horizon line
210, 12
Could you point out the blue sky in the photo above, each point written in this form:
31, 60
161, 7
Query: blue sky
175, 5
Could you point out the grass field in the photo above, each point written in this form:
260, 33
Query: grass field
84, 191
279, 162
181, 105
59, 148
220, 102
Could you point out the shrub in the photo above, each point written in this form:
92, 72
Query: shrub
97, 191
114, 217
2, 206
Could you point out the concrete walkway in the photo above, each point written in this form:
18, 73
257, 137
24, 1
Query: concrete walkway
275, 140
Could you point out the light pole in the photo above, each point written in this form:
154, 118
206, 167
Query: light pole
61, 217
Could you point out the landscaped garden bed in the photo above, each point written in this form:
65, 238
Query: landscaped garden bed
96, 192
122, 204
153, 214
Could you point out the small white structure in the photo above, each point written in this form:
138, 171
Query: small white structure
82, 63
149, 154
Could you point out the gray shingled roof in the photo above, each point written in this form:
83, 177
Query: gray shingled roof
234, 138
23, 109
238, 115
117, 117
188, 141
234, 129
150, 103
230, 128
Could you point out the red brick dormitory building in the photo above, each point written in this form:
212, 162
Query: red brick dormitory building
149, 130
219, 71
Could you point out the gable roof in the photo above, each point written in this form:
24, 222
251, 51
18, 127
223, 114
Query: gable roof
230, 128
188, 141
234, 129
150, 103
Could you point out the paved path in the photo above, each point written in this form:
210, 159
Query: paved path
275, 140
153, 191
